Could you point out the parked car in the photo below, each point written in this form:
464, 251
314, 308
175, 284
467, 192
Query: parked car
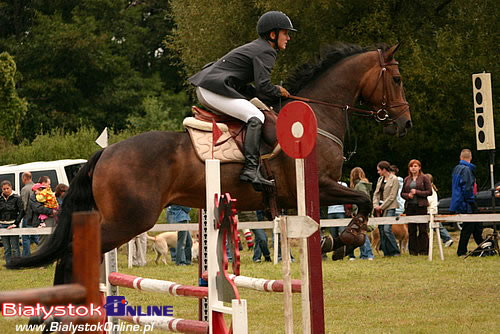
59, 171
483, 200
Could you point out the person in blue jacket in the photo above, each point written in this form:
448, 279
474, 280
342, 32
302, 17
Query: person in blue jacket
463, 201
179, 214
224, 85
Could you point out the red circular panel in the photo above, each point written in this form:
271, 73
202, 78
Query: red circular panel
296, 129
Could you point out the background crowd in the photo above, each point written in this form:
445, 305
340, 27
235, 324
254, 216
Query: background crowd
416, 194
36, 206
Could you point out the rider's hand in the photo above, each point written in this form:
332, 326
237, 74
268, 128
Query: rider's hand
284, 92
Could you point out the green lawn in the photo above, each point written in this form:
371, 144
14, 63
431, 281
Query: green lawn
387, 295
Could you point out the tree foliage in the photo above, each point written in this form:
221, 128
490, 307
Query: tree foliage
443, 43
90, 63
124, 64
12, 107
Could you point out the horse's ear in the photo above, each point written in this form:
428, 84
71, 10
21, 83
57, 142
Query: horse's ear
389, 54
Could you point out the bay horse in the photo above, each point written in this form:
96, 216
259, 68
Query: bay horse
129, 183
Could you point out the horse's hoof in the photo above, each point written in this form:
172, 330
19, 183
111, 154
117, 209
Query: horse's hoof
351, 238
339, 254
326, 244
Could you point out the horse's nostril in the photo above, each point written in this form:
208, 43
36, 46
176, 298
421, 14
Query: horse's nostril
409, 124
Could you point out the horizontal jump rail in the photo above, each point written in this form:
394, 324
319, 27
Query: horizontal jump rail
57, 295
482, 217
170, 324
154, 285
260, 284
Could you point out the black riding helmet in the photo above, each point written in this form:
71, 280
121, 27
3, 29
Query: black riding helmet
273, 21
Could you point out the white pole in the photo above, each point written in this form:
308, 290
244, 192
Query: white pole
212, 176
287, 280
431, 235
304, 262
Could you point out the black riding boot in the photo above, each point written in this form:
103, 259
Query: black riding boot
250, 172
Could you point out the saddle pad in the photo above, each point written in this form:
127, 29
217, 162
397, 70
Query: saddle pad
226, 152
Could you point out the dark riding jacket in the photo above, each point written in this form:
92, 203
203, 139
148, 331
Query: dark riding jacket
232, 74
35, 209
11, 208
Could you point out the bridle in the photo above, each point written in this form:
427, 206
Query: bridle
382, 113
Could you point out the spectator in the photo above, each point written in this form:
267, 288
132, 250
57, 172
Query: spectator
359, 182
433, 209
26, 192
138, 247
47, 197
339, 212
416, 188
401, 201
463, 179
35, 209
61, 190
11, 214
180, 215
384, 205
260, 246
170, 249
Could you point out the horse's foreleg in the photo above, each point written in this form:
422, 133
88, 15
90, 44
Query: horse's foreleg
355, 232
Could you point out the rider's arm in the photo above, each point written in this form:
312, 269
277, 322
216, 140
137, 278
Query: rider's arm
262, 68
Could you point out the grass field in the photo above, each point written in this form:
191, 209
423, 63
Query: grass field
387, 295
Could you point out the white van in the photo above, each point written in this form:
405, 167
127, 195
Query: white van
59, 171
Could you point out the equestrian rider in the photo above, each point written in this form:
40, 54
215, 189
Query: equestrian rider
224, 85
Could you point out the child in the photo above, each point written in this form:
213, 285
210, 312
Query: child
47, 197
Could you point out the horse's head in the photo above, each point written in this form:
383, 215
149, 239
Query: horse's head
382, 88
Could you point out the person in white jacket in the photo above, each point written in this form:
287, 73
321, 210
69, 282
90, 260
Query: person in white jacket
433, 209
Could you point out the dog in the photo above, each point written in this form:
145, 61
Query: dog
400, 231
166, 240
195, 250
161, 243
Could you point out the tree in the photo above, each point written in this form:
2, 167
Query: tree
12, 107
88, 63
443, 43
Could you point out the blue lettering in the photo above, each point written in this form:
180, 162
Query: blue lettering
115, 305
168, 310
131, 310
156, 311
140, 313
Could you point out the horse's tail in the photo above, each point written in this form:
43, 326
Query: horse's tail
78, 198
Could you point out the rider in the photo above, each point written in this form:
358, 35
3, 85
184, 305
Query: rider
224, 85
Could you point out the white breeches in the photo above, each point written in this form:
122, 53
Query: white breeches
238, 108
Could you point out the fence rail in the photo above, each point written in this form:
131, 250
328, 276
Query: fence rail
459, 218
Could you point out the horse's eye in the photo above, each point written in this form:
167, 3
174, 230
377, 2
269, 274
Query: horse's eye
397, 80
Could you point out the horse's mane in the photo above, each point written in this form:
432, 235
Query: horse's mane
329, 56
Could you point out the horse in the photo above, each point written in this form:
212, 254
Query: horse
129, 183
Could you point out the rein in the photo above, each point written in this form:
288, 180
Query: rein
344, 107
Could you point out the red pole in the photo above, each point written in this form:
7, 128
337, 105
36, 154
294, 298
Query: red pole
313, 246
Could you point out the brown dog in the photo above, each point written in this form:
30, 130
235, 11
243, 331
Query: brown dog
400, 232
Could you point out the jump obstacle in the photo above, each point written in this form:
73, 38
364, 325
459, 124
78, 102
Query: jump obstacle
223, 287
86, 266
215, 323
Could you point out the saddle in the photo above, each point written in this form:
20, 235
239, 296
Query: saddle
229, 147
